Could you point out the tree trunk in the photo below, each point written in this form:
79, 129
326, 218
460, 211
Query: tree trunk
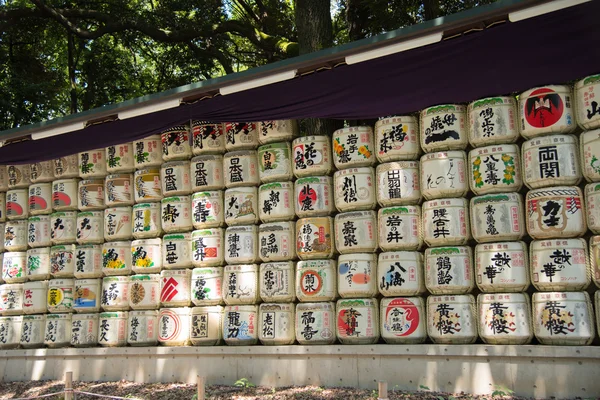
357, 14
71, 67
432, 9
315, 32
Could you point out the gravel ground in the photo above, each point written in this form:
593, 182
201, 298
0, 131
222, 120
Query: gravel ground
181, 391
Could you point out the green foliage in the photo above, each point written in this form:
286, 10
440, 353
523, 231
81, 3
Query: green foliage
244, 383
501, 391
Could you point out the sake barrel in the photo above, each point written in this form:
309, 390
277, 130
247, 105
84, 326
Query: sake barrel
563, 318
397, 138
400, 273
277, 131
42, 171
497, 217
40, 199
208, 249
119, 158
32, 331
88, 293
147, 152
207, 286
355, 189
356, 232
241, 136
505, 318
315, 323
88, 261
586, 102
276, 324
84, 330
38, 264
275, 162
60, 295
174, 326
208, 137
58, 330
62, 261
34, 297
452, 319
357, 321
444, 127
206, 173
65, 194
443, 174
147, 220
446, 222
112, 328
592, 201
400, 228
144, 292
206, 326
14, 267
595, 259
17, 204
92, 164
10, 332
495, 169
63, 227
90, 227
208, 210
175, 178
116, 258
241, 168
551, 161
146, 256
597, 308
177, 250
2, 207
590, 155
176, 214
403, 320
276, 201
241, 206
91, 194
493, 120
316, 280
357, 275
312, 156
502, 267
449, 270
176, 143
239, 325
560, 265
555, 212
19, 176
545, 110
142, 328
314, 238
353, 147
11, 299
276, 241
3, 178
277, 281
147, 185
241, 244
115, 293
15, 235
66, 167
117, 223
119, 190
314, 196
39, 231
240, 284
398, 183
175, 288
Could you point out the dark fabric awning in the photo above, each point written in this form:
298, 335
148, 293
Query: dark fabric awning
553, 48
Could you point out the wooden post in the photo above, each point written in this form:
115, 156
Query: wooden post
383, 395
69, 385
200, 387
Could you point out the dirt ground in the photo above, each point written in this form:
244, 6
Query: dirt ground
181, 391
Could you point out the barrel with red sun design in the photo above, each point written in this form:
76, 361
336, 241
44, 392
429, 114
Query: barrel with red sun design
546, 110
403, 320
